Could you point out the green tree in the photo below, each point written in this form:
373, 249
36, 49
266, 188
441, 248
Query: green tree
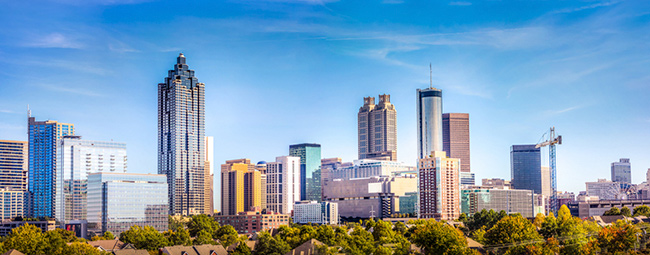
241, 249
642, 210
55, 243
381, 250
463, 218
202, 222
625, 211
266, 244
227, 235
612, 211
549, 226
383, 232
402, 246
204, 237
360, 242
438, 238
146, 237
325, 234
539, 218
108, 235
27, 239
512, 229
619, 238
400, 228
179, 237
78, 248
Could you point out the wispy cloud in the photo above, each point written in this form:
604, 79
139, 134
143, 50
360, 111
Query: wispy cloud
100, 2
53, 40
586, 7
460, 3
565, 110
120, 47
68, 89
7, 111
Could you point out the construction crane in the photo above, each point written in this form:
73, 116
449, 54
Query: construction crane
551, 142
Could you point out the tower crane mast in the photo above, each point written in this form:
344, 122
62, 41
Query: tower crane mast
551, 142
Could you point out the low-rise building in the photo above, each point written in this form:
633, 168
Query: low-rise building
509, 200
314, 212
367, 168
496, 183
605, 190
584, 209
45, 225
254, 221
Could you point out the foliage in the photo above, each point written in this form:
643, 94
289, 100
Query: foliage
146, 237
203, 237
179, 237
269, 245
383, 232
241, 249
106, 236
226, 234
438, 238
621, 237
202, 222
512, 230
484, 218
326, 250
78, 248
625, 211
360, 241
612, 211
400, 228
642, 210
27, 239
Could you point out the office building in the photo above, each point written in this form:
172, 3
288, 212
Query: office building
45, 225
261, 167
313, 212
429, 119
509, 200
377, 129
605, 190
254, 221
367, 168
309, 153
12, 203
282, 184
467, 178
117, 201
209, 176
526, 168
14, 165
622, 171
181, 138
496, 183
370, 197
76, 158
455, 138
439, 187
43, 137
588, 208
546, 181
241, 186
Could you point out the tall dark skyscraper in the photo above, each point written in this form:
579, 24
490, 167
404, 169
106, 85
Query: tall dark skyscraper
455, 138
181, 134
377, 129
526, 168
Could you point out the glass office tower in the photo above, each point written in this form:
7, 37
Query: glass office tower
181, 138
526, 168
309, 153
43, 136
429, 117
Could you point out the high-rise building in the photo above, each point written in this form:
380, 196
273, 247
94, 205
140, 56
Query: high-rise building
241, 186
282, 184
508, 200
429, 118
316, 213
117, 201
439, 187
605, 190
12, 203
309, 153
209, 175
261, 166
546, 181
377, 129
76, 158
181, 138
13, 165
467, 178
526, 168
622, 171
43, 136
455, 138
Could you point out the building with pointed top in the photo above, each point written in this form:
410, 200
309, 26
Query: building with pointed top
181, 138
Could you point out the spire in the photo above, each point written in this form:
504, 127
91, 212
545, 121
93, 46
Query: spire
180, 59
430, 75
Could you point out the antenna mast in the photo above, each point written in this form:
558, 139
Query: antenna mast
29, 112
430, 76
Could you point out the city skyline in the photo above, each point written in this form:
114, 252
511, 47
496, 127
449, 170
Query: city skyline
569, 88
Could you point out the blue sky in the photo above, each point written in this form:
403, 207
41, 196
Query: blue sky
279, 72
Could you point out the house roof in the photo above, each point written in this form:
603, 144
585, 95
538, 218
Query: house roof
208, 249
107, 245
307, 248
13, 252
179, 250
251, 244
131, 252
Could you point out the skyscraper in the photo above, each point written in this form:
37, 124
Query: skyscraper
209, 175
455, 138
181, 138
429, 118
43, 136
76, 158
439, 187
526, 168
241, 186
310, 175
13, 178
282, 184
622, 171
377, 129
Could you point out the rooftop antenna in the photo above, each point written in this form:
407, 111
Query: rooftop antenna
430, 76
29, 112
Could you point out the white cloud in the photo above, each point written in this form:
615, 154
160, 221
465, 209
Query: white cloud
586, 7
72, 90
53, 40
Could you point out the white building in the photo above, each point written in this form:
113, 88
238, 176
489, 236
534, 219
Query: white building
76, 158
368, 167
605, 190
318, 213
282, 184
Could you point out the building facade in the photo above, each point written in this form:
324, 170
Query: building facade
589, 208
377, 129
526, 168
622, 171
496, 183
370, 197
455, 138
309, 153
254, 221
429, 118
43, 137
467, 178
314, 212
546, 181
282, 184
509, 200
367, 168
12, 203
181, 138
14, 165
117, 201
241, 186
439, 187
605, 190
76, 158
208, 183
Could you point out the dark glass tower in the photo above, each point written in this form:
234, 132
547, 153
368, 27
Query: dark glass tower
310, 175
526, 168
181, 134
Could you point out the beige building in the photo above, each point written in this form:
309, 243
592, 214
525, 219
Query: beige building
546, 181
377, 196
13, 165
455, 138
241, 187
209, 176
439, 186
377, 129
496, 183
